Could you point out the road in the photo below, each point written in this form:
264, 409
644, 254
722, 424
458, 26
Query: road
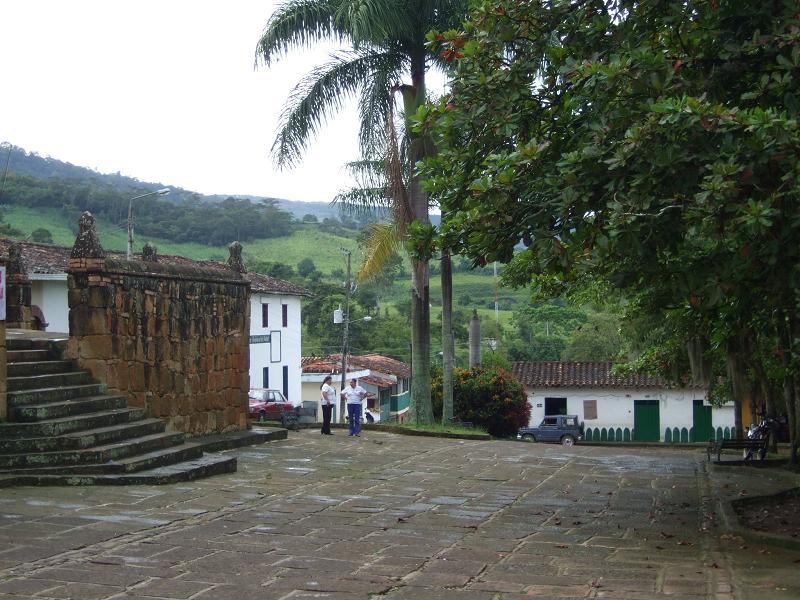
397, 517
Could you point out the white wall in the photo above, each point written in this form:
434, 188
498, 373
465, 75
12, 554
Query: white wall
283, 350
51, 296
615, 406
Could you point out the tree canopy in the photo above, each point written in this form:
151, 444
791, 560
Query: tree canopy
653, 145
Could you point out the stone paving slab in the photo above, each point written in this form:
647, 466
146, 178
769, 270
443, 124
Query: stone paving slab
394, 517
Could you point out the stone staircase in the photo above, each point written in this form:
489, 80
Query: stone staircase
67, 430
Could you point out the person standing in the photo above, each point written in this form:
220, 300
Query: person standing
354, 394
328, 398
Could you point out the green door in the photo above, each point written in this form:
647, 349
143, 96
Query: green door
646, 422
701, 422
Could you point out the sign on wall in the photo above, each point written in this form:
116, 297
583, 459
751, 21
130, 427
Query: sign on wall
2, 293
260, 339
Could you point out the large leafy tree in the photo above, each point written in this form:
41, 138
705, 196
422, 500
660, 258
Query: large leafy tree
387, 57
653, 145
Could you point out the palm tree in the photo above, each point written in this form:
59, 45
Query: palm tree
388, 55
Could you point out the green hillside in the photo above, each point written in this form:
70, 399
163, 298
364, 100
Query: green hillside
306, 242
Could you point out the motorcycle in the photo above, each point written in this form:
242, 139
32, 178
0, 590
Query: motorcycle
761, 431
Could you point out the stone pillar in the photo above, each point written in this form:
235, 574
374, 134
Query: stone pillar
18, 291
475, 340
3, 370
235, 261
149, 253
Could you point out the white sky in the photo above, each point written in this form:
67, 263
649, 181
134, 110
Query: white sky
160, 90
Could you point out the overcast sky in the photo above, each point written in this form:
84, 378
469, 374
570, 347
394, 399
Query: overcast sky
160, 90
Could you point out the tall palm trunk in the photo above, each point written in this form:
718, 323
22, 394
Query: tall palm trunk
448, 344
421, 410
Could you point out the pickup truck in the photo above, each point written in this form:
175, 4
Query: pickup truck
560, 429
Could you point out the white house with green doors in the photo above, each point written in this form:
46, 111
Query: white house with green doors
622, 408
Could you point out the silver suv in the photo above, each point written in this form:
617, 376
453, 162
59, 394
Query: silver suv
561, 429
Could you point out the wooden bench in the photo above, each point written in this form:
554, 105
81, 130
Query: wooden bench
759, 446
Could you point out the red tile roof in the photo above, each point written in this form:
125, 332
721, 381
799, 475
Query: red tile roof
50, 259
372, 362
583, 374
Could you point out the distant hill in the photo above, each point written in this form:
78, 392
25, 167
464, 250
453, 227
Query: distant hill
33, 165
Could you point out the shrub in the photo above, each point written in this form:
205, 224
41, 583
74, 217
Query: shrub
490, 398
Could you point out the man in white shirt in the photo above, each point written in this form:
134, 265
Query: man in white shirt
328, 398
354, 394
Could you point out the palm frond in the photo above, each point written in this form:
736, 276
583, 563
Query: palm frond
325, 89
299, 23
396, 187
362, 200
377, 103
383, 242
375, 21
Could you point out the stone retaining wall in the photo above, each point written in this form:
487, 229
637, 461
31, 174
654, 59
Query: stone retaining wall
175, 339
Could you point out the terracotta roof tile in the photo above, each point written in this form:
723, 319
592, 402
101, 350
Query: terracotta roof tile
583, 374
372, 362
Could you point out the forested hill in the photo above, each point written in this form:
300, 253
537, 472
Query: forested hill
21, 162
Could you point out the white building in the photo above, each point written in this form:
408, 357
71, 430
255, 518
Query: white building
621, 408
275, 329
275, 335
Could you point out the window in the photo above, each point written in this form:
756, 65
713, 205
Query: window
265, 377
275, 346
265, 315
555, 406
285, 379
285, 314
549, 422
589, 409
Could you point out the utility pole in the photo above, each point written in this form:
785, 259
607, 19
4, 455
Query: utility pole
161, 192
345, 332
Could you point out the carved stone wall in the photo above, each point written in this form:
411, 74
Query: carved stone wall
3, 368
175, 339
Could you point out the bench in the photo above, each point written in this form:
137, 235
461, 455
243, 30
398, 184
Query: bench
758, 445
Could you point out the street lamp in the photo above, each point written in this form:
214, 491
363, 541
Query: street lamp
161, 192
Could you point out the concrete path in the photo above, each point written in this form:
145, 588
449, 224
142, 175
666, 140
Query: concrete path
397, 517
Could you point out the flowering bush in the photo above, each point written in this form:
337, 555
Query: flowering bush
489, 398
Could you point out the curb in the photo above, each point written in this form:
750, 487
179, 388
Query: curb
731, 524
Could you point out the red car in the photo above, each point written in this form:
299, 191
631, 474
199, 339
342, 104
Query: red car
270, 405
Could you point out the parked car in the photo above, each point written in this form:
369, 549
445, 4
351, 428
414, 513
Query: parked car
561, 429
270, 405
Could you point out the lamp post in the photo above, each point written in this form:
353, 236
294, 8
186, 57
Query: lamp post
161, 192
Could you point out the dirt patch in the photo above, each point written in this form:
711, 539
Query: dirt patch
778, 514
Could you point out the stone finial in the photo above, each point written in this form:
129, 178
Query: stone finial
149, 253
235, 261
15, 264
87, 244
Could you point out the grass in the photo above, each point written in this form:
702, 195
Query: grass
308, 242
439, 428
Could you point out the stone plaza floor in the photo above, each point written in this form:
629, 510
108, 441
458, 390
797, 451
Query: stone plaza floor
395, 517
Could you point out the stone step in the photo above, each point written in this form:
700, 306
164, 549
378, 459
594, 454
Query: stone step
14, 343
129, 464
14, 356
160, 458
37, 382
53, 394
83, 439
204, 466
70, 424
77, 406
55, 462
39, 367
